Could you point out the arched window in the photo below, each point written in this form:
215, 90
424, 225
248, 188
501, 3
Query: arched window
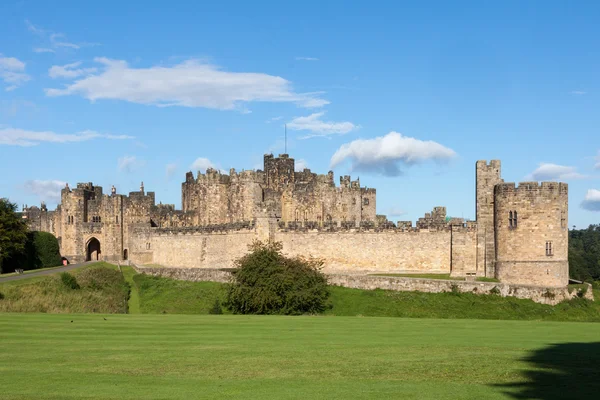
306, 215
297, 215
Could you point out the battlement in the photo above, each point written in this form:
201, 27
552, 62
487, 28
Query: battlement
493, 164
529, 188
215, 228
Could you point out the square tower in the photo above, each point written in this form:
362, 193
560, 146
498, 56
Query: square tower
487, 176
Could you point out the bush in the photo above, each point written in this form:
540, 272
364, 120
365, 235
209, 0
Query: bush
266, 282
47, 249
216, 308
1, 295
69, 281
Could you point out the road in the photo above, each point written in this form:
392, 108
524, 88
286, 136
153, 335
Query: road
45, 272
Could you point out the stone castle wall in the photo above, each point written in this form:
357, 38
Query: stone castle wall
532, 237
539, 294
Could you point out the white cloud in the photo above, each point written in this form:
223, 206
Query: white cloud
591, 202
188, 84
554, 172
578, 92
318, 127
273, 119
171, 169
307, 59
69, 71
396, 212
53, 41
21, 137
129, 163
12, 72
43, 50
597, 166
383, 154
300, 165
202, 164
46, 190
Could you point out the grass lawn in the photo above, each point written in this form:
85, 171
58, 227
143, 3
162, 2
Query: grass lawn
270, 357
29, 271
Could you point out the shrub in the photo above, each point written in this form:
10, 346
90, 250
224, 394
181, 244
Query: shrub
1, 295
266, 282
216, 308
47, 249
495, 291
69, 281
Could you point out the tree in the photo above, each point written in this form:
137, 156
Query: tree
267, 282
13, 231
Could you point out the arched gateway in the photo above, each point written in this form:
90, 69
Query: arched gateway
93, 250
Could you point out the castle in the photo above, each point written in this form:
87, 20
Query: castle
520, 234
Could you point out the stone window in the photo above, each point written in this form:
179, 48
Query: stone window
297, 217
366, 201
147, 246
512, 219
117, 219
549, 249
563, 220
353, 200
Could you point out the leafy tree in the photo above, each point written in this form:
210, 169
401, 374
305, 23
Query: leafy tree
267, 282
584, 253
13, 231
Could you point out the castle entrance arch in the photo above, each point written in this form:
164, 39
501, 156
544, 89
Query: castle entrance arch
93, 250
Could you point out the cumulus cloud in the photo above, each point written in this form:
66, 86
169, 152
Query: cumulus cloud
202, 164
21, 137
189, 84
69, 71
385, 154
591, 202
307, 59
46, 190
318, 127
170, 170
300, 165
129, 163
554, 172
12, 72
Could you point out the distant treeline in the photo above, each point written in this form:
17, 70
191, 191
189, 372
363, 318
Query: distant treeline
584, 253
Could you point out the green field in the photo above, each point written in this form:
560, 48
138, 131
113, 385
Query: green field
269, 357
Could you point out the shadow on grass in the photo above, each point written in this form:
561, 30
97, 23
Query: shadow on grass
560, 371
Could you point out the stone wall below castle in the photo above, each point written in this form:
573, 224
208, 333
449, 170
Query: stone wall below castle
539, 294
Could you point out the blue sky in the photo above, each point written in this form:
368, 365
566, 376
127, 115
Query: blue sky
406, 96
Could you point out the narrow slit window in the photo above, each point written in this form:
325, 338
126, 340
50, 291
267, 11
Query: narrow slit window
549, 249
510, 219
515, 219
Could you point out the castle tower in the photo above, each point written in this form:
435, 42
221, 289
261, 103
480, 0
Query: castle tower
487, 176
532, 236
279, 171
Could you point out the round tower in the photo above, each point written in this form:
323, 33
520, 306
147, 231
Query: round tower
531, 233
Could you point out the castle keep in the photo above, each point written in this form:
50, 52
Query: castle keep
520, 234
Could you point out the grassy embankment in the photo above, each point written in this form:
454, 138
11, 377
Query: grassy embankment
272, 357
154, 295
99, 288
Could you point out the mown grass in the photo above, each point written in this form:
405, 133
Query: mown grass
272, 357
167, 296
98, 292
29, 271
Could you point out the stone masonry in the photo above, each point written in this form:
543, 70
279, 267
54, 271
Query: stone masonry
520, 235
